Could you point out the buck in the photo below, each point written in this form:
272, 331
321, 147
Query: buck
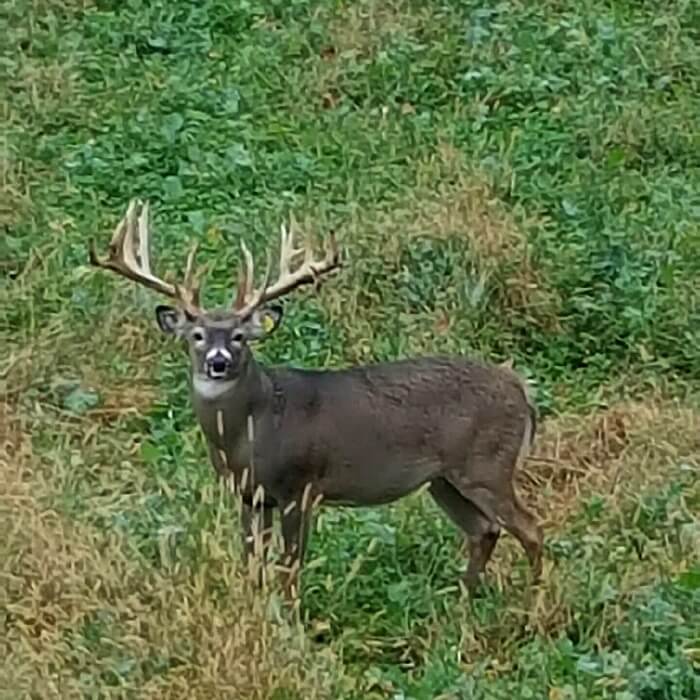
290, 439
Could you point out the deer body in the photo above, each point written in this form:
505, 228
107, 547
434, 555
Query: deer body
365, 436
371, 435
288, 439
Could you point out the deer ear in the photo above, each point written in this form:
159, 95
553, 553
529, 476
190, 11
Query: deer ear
263, 322
169, 320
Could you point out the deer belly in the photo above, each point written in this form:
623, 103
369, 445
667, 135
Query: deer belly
375, 484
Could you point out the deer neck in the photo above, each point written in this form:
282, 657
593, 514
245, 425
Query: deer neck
224, 408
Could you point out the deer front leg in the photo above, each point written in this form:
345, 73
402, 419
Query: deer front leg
296, 520
256, 526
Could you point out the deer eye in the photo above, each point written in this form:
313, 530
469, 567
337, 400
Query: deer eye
237, 336
197, 336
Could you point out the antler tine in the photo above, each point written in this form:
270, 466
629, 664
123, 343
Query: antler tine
253, 298
191, 286
246, 279
144, 252
332, 249
250, 269
287, 250
116, 243
128, 244
259, 295
239, 298
308, 250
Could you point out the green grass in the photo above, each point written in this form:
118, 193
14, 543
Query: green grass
514, 180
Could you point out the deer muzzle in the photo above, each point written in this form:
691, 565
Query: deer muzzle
218, 363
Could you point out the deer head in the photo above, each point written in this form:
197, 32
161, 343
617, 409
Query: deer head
218, 340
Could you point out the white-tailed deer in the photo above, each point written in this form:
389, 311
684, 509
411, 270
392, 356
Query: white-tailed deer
289, 439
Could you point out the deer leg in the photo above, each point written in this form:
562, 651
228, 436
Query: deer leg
482, 534
503, 505
256, 524
523, 525
480, 550
296, 520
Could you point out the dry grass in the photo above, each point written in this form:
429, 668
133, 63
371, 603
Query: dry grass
64, 582
453, 201
48, 85
618, 452
54, 351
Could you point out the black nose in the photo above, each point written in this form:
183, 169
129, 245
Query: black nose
217, 365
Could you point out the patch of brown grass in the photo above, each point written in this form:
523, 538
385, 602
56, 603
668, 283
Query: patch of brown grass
57, 349
79, 613
453, 199
614, 452
134, 392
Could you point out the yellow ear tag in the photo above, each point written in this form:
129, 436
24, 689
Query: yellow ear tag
268, 324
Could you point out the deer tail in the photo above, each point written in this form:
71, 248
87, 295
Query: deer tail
531, 420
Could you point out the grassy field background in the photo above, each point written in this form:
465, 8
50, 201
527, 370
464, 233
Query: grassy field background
517, 180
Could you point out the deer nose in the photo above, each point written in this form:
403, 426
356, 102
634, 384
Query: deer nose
218, 364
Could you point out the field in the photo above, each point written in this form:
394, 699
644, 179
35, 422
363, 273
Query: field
514, 180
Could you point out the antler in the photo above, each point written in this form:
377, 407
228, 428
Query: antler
128, 255
248, 298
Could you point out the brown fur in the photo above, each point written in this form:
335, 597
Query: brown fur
370, 435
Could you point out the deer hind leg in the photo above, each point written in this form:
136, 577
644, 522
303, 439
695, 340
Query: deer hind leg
482, 533
504, 506
524, 526
256, 524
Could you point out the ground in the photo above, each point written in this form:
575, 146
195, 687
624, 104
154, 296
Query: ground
515, 180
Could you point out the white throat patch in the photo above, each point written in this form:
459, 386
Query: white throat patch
211, 389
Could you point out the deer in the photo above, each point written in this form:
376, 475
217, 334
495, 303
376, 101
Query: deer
288, 440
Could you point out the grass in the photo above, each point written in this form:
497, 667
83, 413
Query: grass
514, 180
